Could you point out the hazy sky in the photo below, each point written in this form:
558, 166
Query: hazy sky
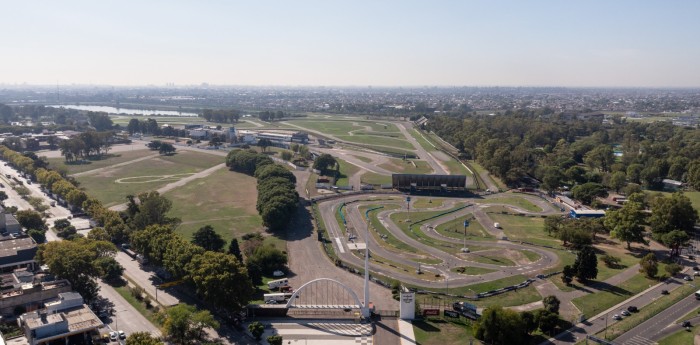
380, 43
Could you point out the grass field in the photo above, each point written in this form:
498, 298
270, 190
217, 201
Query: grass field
439, 331
471, 271
104, 161
343, 127
481, 170
455, 229
375, 179
427, 203
528, 229
346, 170
225, 200
594, 303
145, 175
514, 201
693, 196
409, 166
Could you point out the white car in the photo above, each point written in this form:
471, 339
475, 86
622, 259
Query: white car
113, 336
122, 335
278, 273
617, 317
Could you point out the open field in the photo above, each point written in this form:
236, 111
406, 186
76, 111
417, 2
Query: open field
478, 169
592, 304
439, 331
111, 186
375, 179
345, 127
455, 229
104, 161
514, 201
346, 170
409, 166
527, 229
427, 203
225, 200
693, 196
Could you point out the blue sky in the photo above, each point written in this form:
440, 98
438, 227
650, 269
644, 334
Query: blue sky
352, 43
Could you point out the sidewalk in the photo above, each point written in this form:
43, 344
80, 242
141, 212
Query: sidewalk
406, 331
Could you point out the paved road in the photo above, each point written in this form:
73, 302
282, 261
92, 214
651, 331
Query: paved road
125, 317
356, 221
438, 167
598, 323
657, 327
145, 279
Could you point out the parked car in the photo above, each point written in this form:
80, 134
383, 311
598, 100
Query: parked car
688, 278
617, 317
113, 336
122, 335
696, 268
632, 309
686, 324
278, 273
624, 312
664, 292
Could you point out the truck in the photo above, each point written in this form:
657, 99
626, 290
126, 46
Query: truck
276, 297
276, 284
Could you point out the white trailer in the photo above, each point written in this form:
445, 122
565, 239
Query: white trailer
276, 297
276, 284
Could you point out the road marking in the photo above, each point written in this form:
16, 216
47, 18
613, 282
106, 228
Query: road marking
340, 245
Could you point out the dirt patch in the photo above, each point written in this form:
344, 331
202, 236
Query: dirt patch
513, 255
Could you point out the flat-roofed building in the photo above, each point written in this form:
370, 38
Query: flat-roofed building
429, 183
17, 252
67, 317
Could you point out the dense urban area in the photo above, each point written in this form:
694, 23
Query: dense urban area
367, 215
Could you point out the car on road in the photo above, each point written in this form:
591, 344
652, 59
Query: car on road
122, 335
696, 268
617, 317
624, 312
696, 273
632, 309
113, 336
686, 324
688, 278
664, 292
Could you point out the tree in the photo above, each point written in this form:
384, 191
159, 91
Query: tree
674, 213
675, 240
39, 236
109, 268
693, 176
235, 250
611, 261
152, 209
551, 304
275, 340
220, 279
324, 163
547, 321
264, 143
30, 220
256, 329
617, 180
268, 258
649, 265
154, 145
178, 253
500, 326
529, 320
3, 196
274, 170
588, 191
208, 239
142, 338
133, 126
166, 149
567, 274
184, 324
552, 224
673, 269
586, 264
625, 224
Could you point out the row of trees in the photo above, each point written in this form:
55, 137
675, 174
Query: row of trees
500, 326
86, 144
221, 115
277, 196
163, 148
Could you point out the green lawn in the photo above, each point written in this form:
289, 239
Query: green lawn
455, 228
594, 303
490, 258
138, 305
384, 237
514, 201
375, 179
346, 170
96, 163
478, 169
111, 186
427, 203
363, 132
441, 331
508, 299
363, 158
225, 200
408, 166
530, 255
528, 229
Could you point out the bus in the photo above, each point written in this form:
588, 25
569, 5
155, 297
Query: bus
697, 294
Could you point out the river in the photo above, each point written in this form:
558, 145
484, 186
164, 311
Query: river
125, 111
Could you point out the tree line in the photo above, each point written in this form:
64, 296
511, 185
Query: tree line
277, 196
221, 115
561, 152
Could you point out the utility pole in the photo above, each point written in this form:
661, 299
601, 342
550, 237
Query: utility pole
366, 311
464, 247
408, 207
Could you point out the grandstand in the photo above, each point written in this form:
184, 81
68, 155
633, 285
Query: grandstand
419, 183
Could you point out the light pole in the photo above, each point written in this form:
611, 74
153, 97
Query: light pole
464, 247
408, 207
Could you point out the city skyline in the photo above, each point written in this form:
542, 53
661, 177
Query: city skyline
409, 44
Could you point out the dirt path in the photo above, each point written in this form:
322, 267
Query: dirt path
95, 171
180, 183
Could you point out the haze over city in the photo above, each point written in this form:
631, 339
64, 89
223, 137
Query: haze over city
359, 43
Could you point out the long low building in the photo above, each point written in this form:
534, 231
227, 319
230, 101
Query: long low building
429, 183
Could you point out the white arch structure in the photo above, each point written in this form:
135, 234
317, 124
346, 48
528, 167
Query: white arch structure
353, 295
